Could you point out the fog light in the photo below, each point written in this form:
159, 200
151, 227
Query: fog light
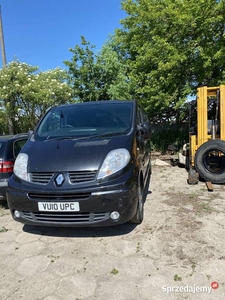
16, 213
114, 215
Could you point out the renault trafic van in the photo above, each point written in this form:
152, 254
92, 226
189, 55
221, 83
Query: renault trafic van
86, 164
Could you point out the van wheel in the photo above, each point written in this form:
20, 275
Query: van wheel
210, 161
139, 215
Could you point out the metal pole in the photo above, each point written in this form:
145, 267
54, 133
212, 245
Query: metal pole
2, 41
8, 117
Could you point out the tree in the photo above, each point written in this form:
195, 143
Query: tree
26, 94
12, 80
100, 76
170, 48
83, 73
113, 73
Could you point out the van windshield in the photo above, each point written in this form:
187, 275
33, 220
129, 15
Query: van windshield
86, 120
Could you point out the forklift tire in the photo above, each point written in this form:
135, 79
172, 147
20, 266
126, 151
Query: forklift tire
201, 165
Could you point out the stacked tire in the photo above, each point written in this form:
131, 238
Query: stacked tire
202, 158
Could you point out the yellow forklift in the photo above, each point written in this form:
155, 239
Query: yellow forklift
205, 153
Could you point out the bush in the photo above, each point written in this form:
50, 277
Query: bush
160, 140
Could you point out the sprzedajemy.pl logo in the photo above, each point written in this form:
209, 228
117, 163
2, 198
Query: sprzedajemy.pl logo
194, 289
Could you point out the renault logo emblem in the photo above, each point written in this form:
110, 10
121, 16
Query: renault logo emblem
59, 179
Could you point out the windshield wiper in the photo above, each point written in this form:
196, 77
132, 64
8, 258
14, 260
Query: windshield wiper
108, 134
76, 138
62, 138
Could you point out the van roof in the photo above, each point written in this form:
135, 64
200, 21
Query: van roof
95, 102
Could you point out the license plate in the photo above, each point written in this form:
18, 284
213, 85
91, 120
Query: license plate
58, 206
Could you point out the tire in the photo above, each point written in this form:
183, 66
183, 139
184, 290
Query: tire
210, 166
139, 214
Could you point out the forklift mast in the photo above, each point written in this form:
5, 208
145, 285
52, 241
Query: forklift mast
209, 127
207, 136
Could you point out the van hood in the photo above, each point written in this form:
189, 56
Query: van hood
70, 155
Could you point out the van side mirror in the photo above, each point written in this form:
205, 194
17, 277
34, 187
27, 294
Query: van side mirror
144, 131
30, 133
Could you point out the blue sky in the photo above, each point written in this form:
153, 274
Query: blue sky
40, 32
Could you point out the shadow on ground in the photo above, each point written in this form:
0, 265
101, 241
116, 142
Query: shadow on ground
74, 232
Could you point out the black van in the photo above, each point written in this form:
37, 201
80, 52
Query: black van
86, 164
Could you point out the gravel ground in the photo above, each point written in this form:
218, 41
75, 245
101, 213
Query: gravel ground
178, 252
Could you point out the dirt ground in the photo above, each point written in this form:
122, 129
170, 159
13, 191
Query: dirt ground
178, 252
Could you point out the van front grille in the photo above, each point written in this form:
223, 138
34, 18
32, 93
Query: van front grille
41, 178
74, 177
82, 176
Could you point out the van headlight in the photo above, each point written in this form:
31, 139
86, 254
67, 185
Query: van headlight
20, 166
114, 162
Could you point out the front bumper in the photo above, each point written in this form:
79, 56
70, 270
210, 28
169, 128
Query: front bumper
95, 205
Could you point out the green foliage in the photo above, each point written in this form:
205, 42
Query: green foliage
26, 94
164, 50
177, 278
114, 73
84, 75
161, 139
114, 271
3, 121
100, 76
171, 47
